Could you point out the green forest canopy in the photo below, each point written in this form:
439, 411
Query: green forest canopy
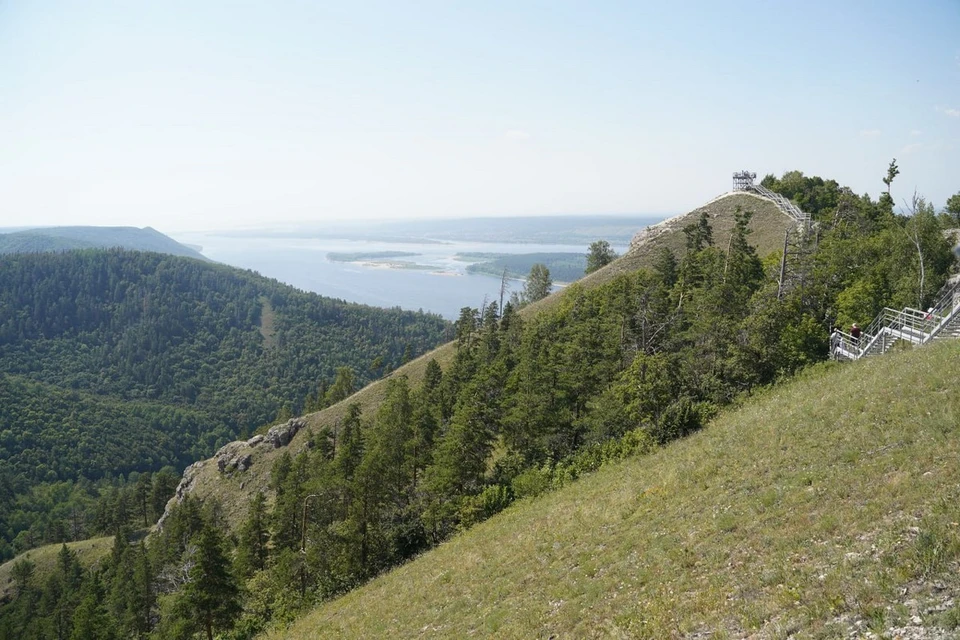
114, 361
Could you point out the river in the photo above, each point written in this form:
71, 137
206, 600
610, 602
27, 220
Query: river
433, 280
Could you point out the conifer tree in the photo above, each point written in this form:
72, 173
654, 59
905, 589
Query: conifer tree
287, 513
90, 620
953, 208
211, 599
253, 538
425, 421
343, 386
162, 488
141, 493
350, 450
141, 598
389, 440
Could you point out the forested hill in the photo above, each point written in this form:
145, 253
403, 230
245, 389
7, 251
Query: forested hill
85, 237
641, 352
644, 351
113, 361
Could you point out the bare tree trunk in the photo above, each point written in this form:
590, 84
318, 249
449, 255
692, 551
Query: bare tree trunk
916, 241
914, 237
726, 262
503, 289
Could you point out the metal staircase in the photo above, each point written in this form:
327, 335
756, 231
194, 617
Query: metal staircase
911, 325
744, 181
801, 217
798, 240
891, 326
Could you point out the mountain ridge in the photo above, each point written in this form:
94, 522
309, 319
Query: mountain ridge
69, 238
204, 479
688, 324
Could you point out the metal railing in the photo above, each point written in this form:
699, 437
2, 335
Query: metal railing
799, 215
912, 325
947, 304
844, 346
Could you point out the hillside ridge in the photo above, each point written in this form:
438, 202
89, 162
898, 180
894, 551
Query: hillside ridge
232, 490
70, 238
809, 511
116, 362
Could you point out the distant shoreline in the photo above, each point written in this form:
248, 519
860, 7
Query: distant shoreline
361, 256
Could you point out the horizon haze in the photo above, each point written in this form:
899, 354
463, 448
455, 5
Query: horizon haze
185, 116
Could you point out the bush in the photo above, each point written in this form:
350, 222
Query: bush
532, 482
681, 418
489, 502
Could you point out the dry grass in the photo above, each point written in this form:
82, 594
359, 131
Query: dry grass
268, 320
768, 226
816, 503
89, 552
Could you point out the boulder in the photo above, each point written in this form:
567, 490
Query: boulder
227, 456
281, 434
244, 462
255, 440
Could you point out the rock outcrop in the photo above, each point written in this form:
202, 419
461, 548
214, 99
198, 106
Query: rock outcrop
282, 434
233, 456
228, 457
183, 488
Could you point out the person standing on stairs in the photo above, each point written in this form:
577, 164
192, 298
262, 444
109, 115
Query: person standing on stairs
855, 334
835, 342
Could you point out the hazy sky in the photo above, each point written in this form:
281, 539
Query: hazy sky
204, 114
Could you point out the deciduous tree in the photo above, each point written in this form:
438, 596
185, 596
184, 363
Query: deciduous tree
600, 254
538, 284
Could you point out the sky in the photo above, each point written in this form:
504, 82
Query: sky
209, 115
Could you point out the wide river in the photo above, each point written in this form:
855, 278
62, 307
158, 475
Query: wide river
441, 284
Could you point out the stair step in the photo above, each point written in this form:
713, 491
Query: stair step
906, 325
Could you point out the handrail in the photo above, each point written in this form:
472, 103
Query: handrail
913, 325
842, 342
950, 297
784, 204
917, 313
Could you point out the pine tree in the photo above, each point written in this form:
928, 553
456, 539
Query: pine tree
211, 599
90, 620
389, 440
286, 517
254, 535
163, 486
141, 597
342, 388
141, 493
350, 450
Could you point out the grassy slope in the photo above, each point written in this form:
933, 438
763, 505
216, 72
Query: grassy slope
815, 505
45, 559
768, 225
